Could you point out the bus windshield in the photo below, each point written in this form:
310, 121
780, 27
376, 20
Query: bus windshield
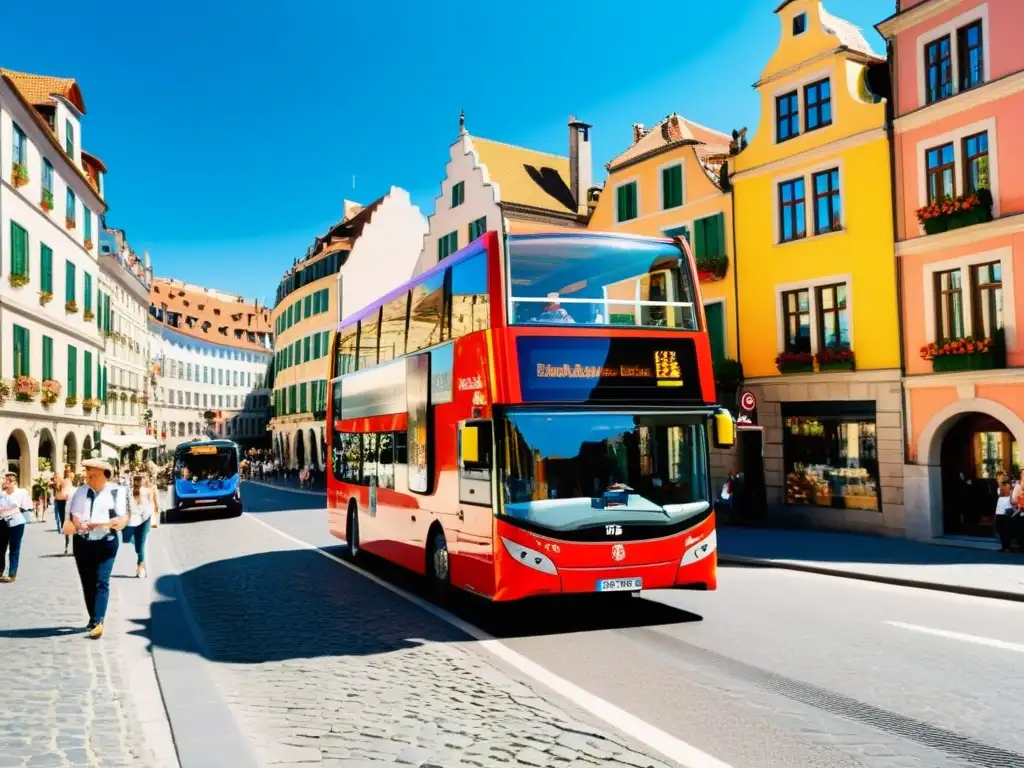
206, 462
568, 471
595, 280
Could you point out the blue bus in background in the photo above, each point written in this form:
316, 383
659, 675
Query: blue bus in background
205, 474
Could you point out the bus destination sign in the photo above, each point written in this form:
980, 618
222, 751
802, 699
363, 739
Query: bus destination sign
559, 369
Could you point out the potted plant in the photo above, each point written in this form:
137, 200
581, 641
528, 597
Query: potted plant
45, 297
88, 316
88, 243
794, 362
46, 200
71, 306
69, 223
17, 280
19, 175
91, 404
70, 401
967, 354
710, 268
26, 388
5, 390
954, 212
51, 391
835, 359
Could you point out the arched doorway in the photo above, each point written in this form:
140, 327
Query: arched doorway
87, 447
47, 452
976, 448
19, 461
323, 450
286, 458
312, 448
300, 450
71, 451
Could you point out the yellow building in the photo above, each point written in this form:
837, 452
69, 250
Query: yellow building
668, 183
818, 317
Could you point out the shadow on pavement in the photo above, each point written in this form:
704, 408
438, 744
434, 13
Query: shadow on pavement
296, 604
36, 633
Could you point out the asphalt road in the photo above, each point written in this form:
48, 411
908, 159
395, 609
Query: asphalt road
776, 668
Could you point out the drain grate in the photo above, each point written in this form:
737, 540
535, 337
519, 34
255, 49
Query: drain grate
952, 744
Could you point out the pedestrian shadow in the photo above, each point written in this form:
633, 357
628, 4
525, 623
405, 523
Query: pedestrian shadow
37, 633
297, 604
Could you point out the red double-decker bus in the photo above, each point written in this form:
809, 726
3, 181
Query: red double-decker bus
532, 416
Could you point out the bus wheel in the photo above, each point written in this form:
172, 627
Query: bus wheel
352, 532
438, 567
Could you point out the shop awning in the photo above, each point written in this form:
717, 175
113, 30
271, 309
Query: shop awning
119, 441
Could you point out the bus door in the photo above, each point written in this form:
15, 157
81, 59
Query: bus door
473, 527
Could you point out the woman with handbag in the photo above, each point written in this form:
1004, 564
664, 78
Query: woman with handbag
12, 529
141, 510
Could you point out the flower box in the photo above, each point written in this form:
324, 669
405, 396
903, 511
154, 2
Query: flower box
88, 315
26, 389
45, 297
17, 281
956, 212
69, 223
46, 201
835, 359
50, 391
88, 244
71, 307
712, 268
838, 365
967, 354
795, 362
71, 401
19, 175
91, 404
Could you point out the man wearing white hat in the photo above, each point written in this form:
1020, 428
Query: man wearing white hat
96, 512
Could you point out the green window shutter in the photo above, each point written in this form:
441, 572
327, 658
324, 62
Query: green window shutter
22, 352
101, 380
69, 281
302, 397
306, 349
87, 278
87, 215
316, 346
87, 373
309, 306
104, 383
108, 318
672, 187
715, 314
47, 358
19, 250
45, 268
441, 243
719, 225
700, 239
72, 371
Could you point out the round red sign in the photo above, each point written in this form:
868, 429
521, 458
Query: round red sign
748, 402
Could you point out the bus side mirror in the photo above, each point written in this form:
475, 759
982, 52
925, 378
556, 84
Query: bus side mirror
469, 445
725, 429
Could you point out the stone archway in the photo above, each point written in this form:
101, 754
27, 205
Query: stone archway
71, 451
48, 450
300, 449
87, 447
19, 458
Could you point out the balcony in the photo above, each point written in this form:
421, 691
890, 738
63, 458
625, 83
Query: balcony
956, 212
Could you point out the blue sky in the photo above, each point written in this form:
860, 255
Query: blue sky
232, 131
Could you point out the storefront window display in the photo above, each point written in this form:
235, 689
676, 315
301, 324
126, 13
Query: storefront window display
830, 454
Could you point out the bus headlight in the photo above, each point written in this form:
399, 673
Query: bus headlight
529, 557
700, 550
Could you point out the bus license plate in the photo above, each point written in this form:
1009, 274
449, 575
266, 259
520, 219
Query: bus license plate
620, 585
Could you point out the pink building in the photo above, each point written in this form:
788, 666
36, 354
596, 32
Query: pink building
958, 83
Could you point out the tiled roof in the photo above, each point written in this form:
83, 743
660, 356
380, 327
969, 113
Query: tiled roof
37, 89
189, 301
527, 177
670, 132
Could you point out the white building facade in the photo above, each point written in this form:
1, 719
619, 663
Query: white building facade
51, 343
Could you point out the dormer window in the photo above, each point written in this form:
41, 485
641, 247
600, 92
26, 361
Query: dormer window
69, 138
799, 24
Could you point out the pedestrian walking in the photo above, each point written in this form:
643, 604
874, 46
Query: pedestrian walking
95, 515
1004, 517
18, 495
12, 530
141, 508
63, 487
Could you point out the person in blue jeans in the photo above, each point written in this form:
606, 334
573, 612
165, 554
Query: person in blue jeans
96, 514
12, 530
142, 506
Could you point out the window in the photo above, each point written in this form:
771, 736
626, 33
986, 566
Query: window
987, 300
48, 178
298, 310
72, 371
87, 282
833, 320
307, 348
308, 306
469, 306
292, 402
87, 216
87, 373
427, 314
392, 329
796, 313
69, 281
818, 105
19, 154
47, 358
477, 228
941, 170
792, 214
709, 237
938, 67
787, 116
447, 245
830, 455
975, 150
715, 316
22, 352
302, 397
69, 138
799, 24
458, 194
626, 202
19, 250
672, 187
72, 207
970, 56
949, 305
827, 207
369, 328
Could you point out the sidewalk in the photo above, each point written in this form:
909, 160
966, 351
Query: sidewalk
290, 484
68, 700
876, 558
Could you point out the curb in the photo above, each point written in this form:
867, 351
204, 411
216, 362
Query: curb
761, 562
286, 489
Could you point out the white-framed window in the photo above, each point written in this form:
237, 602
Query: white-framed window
954, 56
959, 162
804, 105
970, 296
812, 315
810, 203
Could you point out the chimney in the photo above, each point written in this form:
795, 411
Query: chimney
580, 165
638, 132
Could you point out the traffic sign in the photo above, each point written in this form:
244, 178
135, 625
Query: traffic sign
748, 402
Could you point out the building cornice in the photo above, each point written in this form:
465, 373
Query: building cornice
1005, 225
899, 22
993, 90
811, 155
833, 377
861, 58
960, 378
